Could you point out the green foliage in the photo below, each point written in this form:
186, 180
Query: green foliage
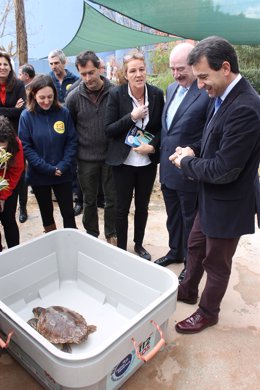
161, 80
253, 76
249, 63
248, 56
162, 76
160, 57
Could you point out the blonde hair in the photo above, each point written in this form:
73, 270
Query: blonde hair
132, 55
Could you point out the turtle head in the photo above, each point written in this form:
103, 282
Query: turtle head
37, 311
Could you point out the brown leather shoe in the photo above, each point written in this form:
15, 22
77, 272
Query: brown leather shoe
195, 323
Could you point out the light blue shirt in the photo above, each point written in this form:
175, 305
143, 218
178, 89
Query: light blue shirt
175, 103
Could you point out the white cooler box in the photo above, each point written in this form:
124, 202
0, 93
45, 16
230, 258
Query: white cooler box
122, 294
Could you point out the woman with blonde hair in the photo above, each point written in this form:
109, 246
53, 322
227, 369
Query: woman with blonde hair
133, 106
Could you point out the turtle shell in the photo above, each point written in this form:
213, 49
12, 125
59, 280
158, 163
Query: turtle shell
60, 325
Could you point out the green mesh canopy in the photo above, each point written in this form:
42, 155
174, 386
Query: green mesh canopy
98, 33
236, 20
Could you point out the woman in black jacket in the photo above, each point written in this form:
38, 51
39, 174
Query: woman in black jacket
133, 109
12, 102
12, 91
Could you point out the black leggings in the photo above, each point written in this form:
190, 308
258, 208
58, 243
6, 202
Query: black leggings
7, 218
63, 193
131, 180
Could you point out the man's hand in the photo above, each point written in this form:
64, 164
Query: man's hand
176, 157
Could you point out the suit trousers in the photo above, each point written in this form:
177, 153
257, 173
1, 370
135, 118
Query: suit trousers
131, 180
181, 211
214, 256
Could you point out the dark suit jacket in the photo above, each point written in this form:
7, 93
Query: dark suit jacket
230, 154
118, 122
9, 110
186, 129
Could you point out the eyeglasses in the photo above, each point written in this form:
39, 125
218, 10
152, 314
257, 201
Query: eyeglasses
133, 56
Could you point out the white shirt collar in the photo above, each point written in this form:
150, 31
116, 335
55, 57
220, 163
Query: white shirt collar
135, 100
230, 87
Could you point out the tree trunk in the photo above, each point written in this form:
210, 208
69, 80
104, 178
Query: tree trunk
21, 34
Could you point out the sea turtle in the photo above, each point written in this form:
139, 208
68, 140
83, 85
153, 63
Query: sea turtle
60, 325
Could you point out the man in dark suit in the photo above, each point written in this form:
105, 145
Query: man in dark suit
183, 120
225, 163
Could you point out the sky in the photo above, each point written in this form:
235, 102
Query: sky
52, 24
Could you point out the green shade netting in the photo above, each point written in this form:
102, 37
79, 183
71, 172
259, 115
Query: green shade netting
236, 20
99, 34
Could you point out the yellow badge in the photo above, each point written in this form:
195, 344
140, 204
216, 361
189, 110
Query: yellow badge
68, 87
59, 127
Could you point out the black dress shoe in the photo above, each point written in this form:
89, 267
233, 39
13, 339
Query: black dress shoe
165, 260
195, 323
139, 249
23, 215
181, 276
78, 209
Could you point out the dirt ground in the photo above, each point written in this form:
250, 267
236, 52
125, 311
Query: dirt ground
223, 357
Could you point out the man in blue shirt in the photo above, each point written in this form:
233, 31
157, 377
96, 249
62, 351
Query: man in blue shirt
61, 76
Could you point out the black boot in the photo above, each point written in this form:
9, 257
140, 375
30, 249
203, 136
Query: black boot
23, 214
78, 209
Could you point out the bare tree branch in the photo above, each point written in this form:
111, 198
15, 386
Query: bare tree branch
4, 16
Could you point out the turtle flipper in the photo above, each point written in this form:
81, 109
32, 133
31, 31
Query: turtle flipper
66, 348
91, 329
33, 323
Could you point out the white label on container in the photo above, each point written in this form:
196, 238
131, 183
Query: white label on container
130, 362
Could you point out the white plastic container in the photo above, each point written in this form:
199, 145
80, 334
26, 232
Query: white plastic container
115, 290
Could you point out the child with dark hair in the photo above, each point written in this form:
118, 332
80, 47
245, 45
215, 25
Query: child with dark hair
11, 171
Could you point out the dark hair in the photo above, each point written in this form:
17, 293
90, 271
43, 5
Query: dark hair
216, 50
11, 77
7, 134
29, 69
39, 82
86, 56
